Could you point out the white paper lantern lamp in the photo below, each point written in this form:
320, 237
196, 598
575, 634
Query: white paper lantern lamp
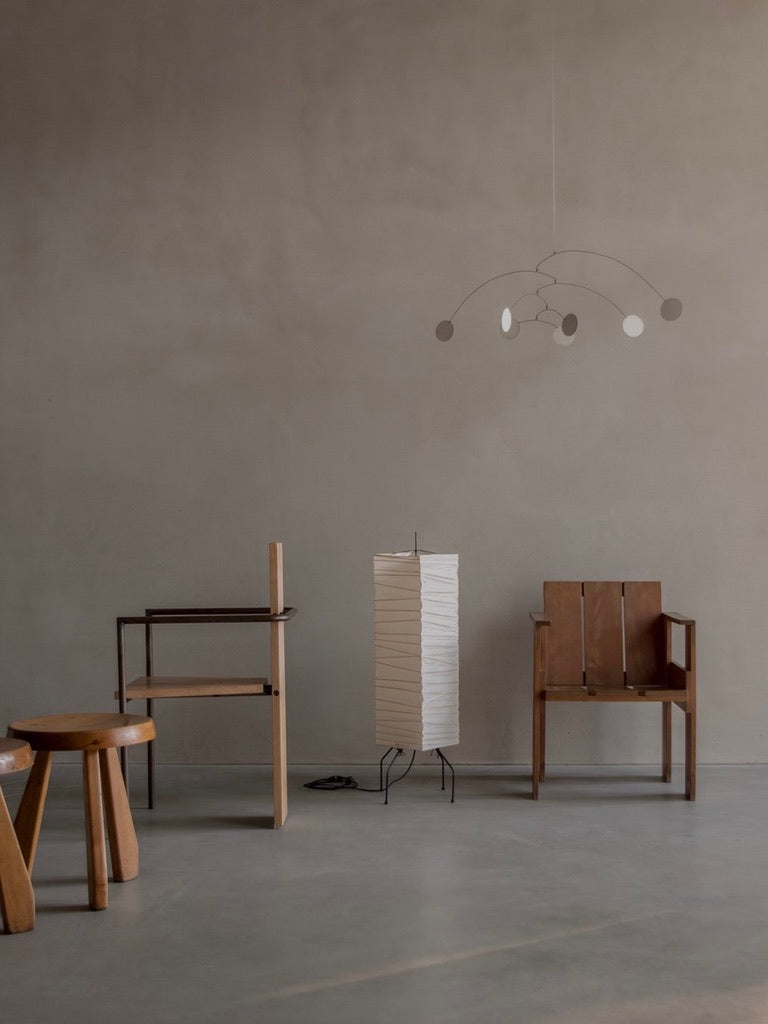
416, 635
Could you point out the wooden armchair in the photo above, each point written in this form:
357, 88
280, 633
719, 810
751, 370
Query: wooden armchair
611, 641
153, 687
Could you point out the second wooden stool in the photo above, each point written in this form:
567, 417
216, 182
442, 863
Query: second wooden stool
17, 901
97, 736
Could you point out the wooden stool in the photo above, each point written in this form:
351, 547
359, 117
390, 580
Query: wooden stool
17, 901
97, 736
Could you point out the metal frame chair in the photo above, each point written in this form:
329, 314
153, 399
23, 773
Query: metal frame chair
153, 687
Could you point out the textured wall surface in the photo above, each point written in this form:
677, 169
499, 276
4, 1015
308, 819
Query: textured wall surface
229, 228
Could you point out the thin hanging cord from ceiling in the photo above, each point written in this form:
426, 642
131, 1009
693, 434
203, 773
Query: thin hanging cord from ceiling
632, 325
552, 91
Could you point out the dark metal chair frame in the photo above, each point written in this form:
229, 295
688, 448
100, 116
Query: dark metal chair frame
151, 687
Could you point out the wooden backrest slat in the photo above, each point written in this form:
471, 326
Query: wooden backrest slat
643, 633
276, 600
603, 644
564, 662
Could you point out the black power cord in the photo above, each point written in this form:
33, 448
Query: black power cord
347, 782
333, 782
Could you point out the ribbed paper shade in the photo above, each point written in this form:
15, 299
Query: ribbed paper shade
416, 599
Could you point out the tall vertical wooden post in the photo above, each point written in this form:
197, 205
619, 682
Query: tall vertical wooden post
277, 679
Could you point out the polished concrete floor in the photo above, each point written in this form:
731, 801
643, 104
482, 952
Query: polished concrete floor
609, 900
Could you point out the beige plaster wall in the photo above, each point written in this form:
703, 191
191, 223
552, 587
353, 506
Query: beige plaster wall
228, 231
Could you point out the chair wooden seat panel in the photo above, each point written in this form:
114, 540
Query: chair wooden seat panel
623, 694
149, 687
610, 641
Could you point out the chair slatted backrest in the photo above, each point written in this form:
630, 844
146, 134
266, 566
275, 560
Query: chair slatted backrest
644, 633
604, 634
562, 604
603, 646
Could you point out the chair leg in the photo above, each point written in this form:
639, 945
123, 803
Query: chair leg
666, 741
123, 845
95, 840
543, 740
150, 764
29, 815
690, 755
279, 761
17, 900
536, 758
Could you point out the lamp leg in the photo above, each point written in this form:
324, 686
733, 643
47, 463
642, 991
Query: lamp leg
395, 756
381, 770
445, 762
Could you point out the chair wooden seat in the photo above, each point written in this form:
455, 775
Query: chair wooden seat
17, 900
610, 641
98, 736
149, 687
624, 694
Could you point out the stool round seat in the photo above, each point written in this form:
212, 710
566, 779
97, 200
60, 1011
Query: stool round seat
87, 731
15, 756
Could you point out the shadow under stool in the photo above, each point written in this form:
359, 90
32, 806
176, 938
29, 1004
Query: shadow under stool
17, 900
98, 736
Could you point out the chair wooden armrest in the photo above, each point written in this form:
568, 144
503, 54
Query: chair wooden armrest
680, 620
681, 673
539, 619
176, 616
254, 614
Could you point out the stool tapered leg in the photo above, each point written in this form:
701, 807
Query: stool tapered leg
96, 844
123, 845
29, 815
17, 900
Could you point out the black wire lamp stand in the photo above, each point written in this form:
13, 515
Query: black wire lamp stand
384, 781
